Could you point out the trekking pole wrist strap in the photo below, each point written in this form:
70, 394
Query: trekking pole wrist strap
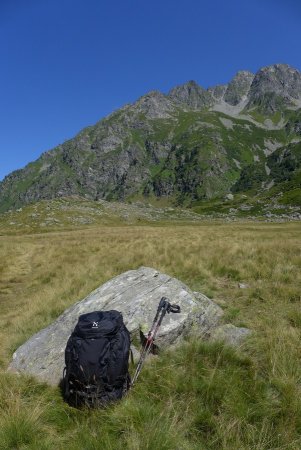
174, 308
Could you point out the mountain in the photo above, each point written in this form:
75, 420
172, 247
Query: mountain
186, 146
275, 88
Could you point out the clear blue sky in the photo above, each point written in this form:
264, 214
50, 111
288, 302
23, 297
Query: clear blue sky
65, 64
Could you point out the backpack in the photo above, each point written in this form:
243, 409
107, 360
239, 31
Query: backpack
97, 360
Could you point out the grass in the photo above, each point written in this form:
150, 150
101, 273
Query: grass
203, 396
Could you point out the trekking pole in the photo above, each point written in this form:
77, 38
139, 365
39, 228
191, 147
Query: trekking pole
150, 337
163, 308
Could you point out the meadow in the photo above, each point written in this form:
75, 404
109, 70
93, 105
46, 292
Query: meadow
204, 395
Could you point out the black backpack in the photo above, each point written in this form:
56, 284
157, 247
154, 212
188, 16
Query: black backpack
97, 360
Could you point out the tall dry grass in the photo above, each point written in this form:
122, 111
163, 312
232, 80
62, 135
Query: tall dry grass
40, 275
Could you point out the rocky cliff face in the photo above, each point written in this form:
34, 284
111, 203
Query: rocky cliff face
191, 95
275, 87
238, 89
188, 145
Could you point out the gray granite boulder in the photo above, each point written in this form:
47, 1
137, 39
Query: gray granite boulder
136, 295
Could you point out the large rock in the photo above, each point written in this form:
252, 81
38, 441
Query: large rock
136, 295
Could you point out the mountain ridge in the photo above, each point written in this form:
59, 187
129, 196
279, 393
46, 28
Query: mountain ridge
187, 145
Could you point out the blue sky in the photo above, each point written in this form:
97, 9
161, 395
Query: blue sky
65, 64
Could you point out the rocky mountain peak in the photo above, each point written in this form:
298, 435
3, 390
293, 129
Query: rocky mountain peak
154, 105
190, 94
217, 92
238, 87
244, 74
282, 77
275, 86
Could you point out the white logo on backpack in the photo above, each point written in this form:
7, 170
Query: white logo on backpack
95, 325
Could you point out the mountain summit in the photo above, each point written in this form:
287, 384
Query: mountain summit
189, 145
276, 87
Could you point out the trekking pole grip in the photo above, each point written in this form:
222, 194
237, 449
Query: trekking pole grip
163, 302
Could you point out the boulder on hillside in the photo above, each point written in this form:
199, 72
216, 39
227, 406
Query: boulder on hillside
136, 295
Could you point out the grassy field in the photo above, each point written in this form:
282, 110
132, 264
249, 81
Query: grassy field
204, 396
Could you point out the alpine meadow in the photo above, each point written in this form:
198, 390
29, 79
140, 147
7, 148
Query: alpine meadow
203, 395
202, 185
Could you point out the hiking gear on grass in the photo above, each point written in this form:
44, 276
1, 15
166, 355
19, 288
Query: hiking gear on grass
96, 357
163, 308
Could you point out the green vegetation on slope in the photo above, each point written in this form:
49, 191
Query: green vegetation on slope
282, 168
183, 156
